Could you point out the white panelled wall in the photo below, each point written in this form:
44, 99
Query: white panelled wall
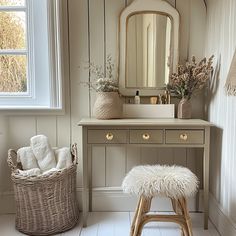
221, 110
93, 34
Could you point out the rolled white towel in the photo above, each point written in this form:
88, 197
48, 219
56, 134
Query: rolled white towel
27, 158
63, 157
50, 171
43, 152
30, 173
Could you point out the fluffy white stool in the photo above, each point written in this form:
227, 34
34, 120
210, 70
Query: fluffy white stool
174, 182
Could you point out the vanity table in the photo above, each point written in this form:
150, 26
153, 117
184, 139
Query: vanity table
159, 133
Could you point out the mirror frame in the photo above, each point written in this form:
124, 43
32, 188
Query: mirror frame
146, 6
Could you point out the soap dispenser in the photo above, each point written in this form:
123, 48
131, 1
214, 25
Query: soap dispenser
137, 98
167, 96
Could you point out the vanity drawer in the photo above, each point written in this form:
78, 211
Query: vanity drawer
184, 136
146, 136
107, 136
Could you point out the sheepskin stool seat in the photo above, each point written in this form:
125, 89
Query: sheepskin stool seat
174, 182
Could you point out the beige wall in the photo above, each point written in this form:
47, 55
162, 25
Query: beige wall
93, 35
221, 110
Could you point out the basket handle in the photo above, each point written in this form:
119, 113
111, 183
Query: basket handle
11, 154
74, 152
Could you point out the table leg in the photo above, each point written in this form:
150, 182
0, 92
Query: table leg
197, 201
85, 176
206, 176
89, 174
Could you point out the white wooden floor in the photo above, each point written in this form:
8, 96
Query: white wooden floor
116, 224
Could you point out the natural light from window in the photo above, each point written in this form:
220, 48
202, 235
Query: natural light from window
30, 54
12, 3
13, 47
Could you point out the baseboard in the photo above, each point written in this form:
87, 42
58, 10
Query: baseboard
103, 199
224, 225
113, 199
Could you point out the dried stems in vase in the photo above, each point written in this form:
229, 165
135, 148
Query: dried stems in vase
104, 82
190, 77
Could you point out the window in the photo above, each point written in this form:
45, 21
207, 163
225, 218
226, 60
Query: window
30, 64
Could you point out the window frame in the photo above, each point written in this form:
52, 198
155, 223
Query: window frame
20, 52
57, 29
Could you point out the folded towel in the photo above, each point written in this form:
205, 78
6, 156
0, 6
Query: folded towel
30, 173
26, 156
43, 152
63, 157
50, 171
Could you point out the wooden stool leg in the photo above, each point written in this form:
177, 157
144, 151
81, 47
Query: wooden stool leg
146, 209
147, 205
135, 217
185, 231
183, 205
144, 205
177, 210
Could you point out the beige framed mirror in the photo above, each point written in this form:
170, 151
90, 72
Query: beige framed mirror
148, 53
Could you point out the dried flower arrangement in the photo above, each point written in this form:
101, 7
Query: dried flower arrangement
105, 81
190, 77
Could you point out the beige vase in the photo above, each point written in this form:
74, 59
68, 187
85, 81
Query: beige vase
107, 106
184, 109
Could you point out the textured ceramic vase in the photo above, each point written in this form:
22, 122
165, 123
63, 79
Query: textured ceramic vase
184, 109
107, 106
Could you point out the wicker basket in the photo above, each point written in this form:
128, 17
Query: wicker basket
45, 204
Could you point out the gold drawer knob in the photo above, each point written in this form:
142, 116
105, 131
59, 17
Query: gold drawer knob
109, 136
183, 137
146, 136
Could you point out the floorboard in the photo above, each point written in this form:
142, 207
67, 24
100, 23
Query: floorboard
116, 224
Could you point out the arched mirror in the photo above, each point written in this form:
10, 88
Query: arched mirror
148, 46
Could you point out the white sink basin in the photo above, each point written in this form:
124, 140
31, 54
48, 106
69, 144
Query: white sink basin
148, 111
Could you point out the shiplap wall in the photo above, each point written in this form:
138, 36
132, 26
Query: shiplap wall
93, 34
221, 41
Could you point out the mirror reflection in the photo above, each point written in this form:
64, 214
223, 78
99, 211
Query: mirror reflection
148, 47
